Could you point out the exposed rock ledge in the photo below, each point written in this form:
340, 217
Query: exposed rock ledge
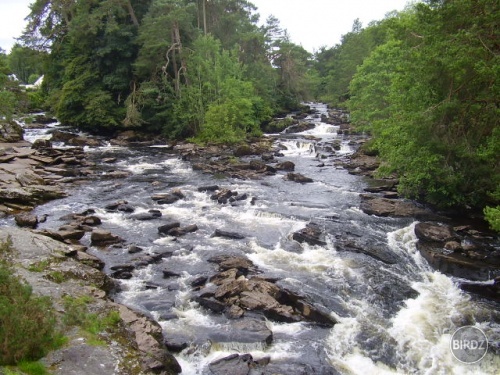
134, 347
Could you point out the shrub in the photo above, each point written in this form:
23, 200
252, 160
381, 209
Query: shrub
27, 322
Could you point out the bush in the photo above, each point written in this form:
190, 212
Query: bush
492, 215
27, 322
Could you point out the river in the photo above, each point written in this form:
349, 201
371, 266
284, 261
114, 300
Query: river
393, 317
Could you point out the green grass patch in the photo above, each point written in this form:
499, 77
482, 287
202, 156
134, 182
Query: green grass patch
39, 266
77, 314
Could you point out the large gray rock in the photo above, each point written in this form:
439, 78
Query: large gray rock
10, 131
434, 232
377, 206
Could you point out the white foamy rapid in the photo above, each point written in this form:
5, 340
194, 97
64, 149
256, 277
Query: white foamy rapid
420, 331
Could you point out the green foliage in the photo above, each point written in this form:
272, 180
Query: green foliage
428, 97
32, 368
142, 64
9, 90
27, 322
26, 63
492, 215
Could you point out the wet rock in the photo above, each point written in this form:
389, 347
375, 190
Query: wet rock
234, 312
122, 271
168, 198
41, 144
133, 249
227, 234
62, 136
211, 304
234, 364
71, 232
377, 206
148, 337
362, 164
208, 188
121, 206
223, 196
248, 331
165, 228
169, 273
26, 220
287, 166
431, 232
460, 265
267, 157
179, 232
101, 237
489, 291
176, 343
150, 215
297, 177
199, 281
300, 127
227, 262
311, 234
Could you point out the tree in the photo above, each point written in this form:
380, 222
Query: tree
430, 97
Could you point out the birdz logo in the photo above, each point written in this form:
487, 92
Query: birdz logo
469, 344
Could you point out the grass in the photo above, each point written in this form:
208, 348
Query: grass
77, 314
39, 266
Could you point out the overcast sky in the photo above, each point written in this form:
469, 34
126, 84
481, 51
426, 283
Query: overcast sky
310, 23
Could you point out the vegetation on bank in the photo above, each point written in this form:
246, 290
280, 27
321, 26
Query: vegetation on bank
423, 82
28, 328
29, 325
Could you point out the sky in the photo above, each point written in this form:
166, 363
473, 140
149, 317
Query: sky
310, 23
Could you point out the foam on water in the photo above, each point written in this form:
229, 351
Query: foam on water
313, 259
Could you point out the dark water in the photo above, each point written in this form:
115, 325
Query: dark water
394, 317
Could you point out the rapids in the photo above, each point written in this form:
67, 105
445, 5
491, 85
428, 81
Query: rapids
394, 317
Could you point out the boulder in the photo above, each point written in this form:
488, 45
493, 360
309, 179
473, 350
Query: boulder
489, 291
377, 206
10, 131
297, 177
31, 195
208, 188
235, 364
247, 330
26, 220
148, 338
311, 234
223, 196
226, 262
287, 166
150, 215
165, 228
178, 231
41, 144
101, 237
226, 234
432, 232
28, 177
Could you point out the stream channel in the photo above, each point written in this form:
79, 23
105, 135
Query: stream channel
393, 317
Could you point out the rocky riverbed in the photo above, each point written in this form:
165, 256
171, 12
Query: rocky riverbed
236, 287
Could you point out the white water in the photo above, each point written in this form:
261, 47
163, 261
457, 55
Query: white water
382, 329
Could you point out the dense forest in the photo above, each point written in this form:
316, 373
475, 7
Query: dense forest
423, 82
